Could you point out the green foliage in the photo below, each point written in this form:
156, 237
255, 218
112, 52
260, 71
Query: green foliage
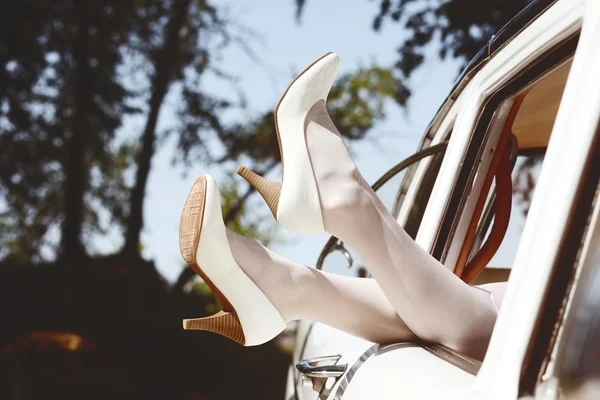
357, 100
70, 78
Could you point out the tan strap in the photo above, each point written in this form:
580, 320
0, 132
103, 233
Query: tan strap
501, 220
502, 153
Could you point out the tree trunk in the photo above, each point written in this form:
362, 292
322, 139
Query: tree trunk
76, 171
165, 64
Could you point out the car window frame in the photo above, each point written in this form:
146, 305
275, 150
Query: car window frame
454, 212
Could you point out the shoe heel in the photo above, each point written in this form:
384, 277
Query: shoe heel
224, 323
268, 189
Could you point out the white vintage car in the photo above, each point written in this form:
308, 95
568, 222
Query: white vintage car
532, 95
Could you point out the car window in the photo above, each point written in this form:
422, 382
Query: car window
525, 175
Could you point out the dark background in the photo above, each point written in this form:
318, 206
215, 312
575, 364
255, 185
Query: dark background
79, 325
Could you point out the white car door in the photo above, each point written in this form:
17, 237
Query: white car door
409, 371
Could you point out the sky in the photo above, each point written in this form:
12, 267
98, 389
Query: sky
285, 48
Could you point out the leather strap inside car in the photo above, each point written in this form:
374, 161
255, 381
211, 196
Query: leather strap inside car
500, 169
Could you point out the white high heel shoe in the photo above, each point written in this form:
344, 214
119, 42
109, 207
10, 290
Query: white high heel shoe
295, 202
248, 317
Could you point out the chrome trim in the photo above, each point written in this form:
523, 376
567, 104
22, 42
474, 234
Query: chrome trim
317, 370
466, 363
345, 380
339, 246
322, 367
518, 24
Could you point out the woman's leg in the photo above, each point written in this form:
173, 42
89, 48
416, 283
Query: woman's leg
354, 305
434, 303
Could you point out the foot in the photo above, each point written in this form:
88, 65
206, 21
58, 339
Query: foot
320, 183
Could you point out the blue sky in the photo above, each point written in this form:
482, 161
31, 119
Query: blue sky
286, 47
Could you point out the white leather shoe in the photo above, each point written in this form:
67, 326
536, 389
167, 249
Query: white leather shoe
248, 317
295, 202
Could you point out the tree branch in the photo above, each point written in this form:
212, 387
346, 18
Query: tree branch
165, 65
76, 172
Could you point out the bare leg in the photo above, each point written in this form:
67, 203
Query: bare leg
354, 305
434, 303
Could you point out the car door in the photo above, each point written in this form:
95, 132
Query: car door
572, 155
546, 42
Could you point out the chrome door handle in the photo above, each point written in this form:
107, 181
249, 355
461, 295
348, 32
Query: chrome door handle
318, 370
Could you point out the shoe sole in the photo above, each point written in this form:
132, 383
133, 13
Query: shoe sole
225, 322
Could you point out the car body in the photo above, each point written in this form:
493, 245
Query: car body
539, 80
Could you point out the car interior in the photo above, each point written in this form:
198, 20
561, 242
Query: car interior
514, 172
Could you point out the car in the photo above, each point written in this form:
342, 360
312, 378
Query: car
527, 107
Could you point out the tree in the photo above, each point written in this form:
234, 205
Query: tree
60, 107
70, 73
66, 95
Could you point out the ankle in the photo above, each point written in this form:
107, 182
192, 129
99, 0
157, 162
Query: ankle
348, 202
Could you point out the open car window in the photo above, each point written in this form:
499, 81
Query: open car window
525, 174
500, 209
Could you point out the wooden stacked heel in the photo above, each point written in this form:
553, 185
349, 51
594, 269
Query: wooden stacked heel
268, 189
224, 323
